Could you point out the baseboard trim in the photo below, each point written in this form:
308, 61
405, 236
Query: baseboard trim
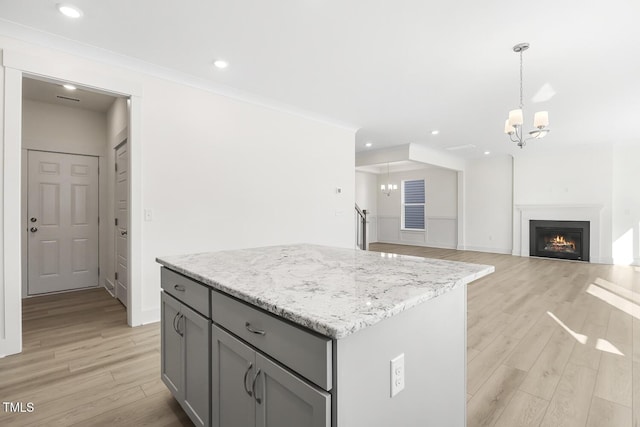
150, 316
423, 245
489, 250
110, 287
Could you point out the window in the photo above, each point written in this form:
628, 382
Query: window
413, 204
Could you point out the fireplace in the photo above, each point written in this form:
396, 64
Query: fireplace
559, 239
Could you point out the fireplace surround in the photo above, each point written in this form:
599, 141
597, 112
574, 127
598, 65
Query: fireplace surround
559, 239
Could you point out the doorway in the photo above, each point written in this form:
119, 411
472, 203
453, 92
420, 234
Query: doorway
65, 135
62, 211
17, 66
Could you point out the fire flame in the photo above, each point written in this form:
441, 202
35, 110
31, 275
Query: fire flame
559, 240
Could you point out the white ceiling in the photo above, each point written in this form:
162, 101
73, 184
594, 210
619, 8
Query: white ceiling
394, 69
54, 93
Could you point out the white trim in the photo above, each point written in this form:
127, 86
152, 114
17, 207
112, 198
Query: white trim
38, 66
150, 316
461, 209
522, 214
134, 314
111, 288
11, 333
424, 245
486, 249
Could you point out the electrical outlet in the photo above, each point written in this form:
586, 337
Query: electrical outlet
397, 374
148, 215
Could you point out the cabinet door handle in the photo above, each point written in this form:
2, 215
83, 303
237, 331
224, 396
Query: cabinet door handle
178, 330
178, 288
253, 387
254, 331
175, 318
244, 382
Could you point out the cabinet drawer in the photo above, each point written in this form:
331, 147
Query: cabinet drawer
305, 352
186, 290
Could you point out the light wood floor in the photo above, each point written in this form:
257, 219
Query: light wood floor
550, 343
82, 365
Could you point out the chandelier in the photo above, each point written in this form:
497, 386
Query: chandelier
513, 125
387, 189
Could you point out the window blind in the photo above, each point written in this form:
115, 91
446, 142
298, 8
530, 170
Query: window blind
414, 199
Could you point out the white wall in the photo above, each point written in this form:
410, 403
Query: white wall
441, 188
488, 204
626, 204
52, 127
366, 194
568, 176
218, 173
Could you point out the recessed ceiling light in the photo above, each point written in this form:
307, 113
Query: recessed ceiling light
486, 153
435, 132
220, 63
68, 86
69, 10
368, 144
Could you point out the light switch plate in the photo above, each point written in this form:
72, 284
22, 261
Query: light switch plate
397, 374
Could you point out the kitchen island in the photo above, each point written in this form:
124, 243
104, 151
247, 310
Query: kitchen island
310, 335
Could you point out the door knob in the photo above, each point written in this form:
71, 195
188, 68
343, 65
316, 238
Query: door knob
33, 229
123, 233
33, 219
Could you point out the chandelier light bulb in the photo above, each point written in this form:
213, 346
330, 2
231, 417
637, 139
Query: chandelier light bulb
387, 189
541, 119
516, 118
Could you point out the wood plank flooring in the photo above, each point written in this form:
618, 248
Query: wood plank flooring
550, 343
82, 365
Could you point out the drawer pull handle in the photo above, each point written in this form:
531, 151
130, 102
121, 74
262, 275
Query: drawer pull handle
178, 288
254, 331
253, 387
249, 392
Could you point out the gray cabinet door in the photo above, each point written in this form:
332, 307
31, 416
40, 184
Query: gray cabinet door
283, 399
232, 374
195, 336
171, 346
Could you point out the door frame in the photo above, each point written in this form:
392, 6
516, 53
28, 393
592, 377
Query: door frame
122, 140
16, 65
25, 206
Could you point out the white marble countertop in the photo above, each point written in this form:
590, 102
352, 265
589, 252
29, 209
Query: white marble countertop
332, 291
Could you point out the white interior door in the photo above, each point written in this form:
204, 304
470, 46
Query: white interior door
62, 222
122, 221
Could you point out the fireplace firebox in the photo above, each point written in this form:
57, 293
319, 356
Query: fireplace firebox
559, 239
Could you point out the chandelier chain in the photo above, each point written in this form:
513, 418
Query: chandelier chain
521, 90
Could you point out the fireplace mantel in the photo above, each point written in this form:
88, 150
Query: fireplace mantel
522, 214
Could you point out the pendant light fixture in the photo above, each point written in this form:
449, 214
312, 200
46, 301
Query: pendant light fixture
513, 125
387, 189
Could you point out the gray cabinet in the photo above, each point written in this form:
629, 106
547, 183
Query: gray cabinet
171, 345
185, 346
249, 389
